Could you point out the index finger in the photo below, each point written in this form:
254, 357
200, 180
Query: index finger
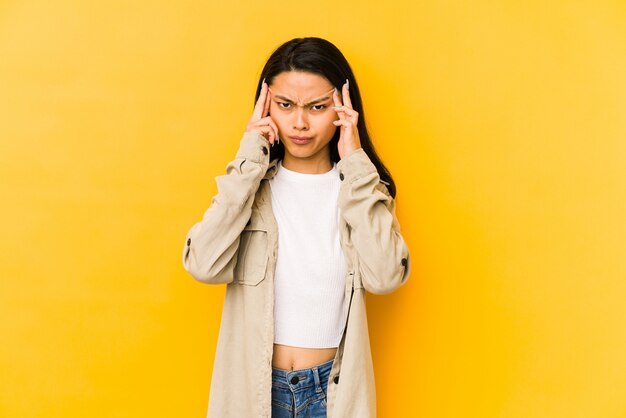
336, 98
260, 103
268, 102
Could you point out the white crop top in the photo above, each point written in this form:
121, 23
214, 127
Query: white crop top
310, 272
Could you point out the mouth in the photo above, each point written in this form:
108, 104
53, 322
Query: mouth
300, 140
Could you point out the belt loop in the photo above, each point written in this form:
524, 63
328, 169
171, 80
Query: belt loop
316, 376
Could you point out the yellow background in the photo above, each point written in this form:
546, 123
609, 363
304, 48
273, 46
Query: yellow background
503, 123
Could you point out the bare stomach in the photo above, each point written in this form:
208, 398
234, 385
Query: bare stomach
286, 357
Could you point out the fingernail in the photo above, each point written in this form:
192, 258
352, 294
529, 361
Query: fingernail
347, 83
263, 82
336, 91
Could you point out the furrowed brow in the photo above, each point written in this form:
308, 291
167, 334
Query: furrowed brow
321, 99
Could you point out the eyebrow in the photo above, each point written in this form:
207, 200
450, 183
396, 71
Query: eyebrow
321, 99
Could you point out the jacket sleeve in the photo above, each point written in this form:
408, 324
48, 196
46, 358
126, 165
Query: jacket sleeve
211, 245
369, 210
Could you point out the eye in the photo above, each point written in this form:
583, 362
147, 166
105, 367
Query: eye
283, 105
318, 107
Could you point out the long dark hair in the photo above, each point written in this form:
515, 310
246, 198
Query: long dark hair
319, 56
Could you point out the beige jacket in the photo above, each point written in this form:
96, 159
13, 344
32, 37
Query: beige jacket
236, 244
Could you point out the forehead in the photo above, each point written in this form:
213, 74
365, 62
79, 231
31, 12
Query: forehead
300, 85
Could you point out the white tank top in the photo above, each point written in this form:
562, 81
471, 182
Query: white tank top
310, 268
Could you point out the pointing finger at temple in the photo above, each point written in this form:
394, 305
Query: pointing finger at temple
338, 104
268, 102
260, 103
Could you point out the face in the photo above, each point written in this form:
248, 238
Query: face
301, 107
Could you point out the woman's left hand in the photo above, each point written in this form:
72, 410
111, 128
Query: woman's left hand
349, 135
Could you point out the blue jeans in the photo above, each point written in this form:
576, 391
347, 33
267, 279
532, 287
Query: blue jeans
300, 393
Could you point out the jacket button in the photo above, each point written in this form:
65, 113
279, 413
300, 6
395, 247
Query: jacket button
188, 242
264, 150
336, 379
341, 176
294, 380
403, 262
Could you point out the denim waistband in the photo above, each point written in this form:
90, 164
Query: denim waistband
319, 366
302, 378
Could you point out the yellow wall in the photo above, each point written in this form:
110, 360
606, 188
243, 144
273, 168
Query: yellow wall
504, 124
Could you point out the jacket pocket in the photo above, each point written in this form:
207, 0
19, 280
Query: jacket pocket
253, 255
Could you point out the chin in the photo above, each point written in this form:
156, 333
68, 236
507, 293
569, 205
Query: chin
301, 154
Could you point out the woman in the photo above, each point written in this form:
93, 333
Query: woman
302, 225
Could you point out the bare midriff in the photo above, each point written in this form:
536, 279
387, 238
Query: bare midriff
290, 358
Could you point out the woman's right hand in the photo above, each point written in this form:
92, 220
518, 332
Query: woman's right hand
260, 121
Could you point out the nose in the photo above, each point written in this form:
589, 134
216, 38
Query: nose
301, 122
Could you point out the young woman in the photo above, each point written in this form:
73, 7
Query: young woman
302, 225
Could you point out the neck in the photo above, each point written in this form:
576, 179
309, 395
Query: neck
307, 166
